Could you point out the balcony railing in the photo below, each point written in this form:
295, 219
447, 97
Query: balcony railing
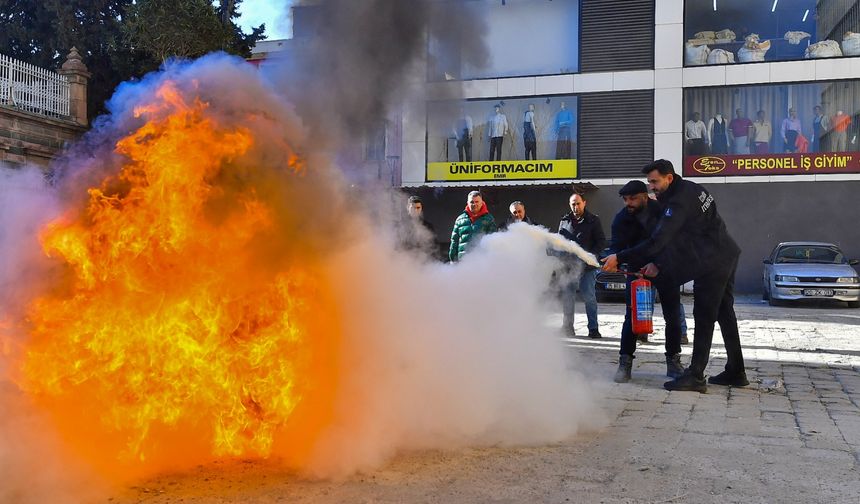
32, 89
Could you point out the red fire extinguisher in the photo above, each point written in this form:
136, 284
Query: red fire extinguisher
641, 306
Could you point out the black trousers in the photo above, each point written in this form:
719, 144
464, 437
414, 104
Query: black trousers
496, 148
531, 147
714, 301
464, 149
670, 301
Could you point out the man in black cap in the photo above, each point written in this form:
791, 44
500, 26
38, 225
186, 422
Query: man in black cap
691, 242
632, 225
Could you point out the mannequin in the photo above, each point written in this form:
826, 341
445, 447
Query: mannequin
529, 132
718, 134
498, 127
563, 126
463, 129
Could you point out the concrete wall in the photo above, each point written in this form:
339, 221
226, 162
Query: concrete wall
758, 215
33, 139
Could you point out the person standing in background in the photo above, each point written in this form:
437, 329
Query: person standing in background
790, 130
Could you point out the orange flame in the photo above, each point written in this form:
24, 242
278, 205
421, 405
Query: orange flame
171, 340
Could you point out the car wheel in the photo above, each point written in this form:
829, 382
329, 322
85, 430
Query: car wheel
764, 295
774, 302
853, 304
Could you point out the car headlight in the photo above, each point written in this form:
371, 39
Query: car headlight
851, 280
785, 278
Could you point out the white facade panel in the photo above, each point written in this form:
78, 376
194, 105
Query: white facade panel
592, 82
522, 86
413, 162
668, 111
487, 88
792, 71
668, 146
554, 84
747, 74
668, 11
414, 121
641, 79
705, 76
826, 69
668, 78
669, 46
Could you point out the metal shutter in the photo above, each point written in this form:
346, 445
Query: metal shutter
617, 35
616, 133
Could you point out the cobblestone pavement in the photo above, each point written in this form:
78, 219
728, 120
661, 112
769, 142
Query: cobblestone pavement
792, 436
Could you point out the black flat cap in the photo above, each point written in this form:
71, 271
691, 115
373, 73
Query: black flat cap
633, 187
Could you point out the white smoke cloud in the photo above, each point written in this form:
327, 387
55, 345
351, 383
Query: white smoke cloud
34, 465
444, 355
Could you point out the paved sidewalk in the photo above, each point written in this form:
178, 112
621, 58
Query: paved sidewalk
792, 436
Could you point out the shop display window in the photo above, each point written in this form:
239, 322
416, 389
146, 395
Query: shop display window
473, 133
508, 39
720, 32
772, 129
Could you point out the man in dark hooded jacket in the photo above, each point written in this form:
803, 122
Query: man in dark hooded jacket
691, 242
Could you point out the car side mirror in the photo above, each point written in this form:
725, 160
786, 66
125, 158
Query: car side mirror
767, 261
852, 262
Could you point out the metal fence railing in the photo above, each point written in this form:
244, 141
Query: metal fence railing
33, 89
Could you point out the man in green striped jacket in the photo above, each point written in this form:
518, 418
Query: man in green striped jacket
470, 226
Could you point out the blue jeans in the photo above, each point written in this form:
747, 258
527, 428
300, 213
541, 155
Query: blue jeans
585, 286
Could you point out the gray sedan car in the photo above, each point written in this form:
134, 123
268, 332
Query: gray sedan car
810, 270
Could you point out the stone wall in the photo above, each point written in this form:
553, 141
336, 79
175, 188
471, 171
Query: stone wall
33, 139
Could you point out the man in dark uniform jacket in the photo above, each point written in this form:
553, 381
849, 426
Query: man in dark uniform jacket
584, 228
632, 225
691, 242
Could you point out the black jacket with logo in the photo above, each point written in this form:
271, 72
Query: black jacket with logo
588, 233
631, 229
690, 238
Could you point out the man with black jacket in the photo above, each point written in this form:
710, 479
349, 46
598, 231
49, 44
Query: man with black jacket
632, 225
691, 243
584, 228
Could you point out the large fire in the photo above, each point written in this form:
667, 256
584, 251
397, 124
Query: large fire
173, 336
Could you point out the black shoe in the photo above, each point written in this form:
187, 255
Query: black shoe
674, 369
642, 338
684, 339
625, 365
730, 379
687, 382
594, 334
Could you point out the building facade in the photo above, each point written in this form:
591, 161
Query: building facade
759, 101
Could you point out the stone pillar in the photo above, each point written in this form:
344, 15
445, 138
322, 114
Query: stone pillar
75, 70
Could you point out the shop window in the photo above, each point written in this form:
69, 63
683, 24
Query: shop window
483, 135
772, 129
487, 39
742, 31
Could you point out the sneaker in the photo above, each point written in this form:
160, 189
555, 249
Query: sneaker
684, 339
730, 379
687, 382
594, 334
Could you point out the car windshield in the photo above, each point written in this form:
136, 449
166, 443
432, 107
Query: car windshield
810, 254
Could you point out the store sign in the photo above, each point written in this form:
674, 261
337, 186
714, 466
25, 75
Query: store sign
540, 169
772, 164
